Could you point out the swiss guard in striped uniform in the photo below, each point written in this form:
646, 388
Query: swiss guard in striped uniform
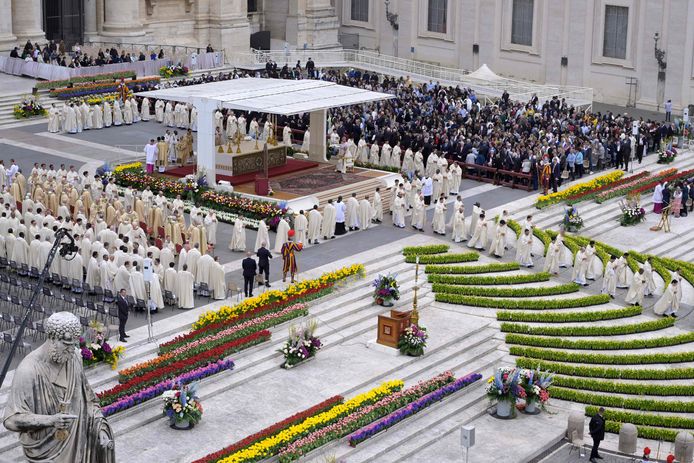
288, 256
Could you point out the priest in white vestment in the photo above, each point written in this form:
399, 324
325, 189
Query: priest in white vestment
282, 235
238, 236
352, 215
217, 282
329, 221
262, 236
300, 227
315, 220
185, 289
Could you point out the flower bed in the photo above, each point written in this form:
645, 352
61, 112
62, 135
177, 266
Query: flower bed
424, 250
608, 330
86, 79
201, 359
271, 430
670, 178
566, 317
554, 198
273, 444
472, 269
214, 340
443, 258
274, 296
599, 344
633, 183
506, 292
155, 390
608, 373
604, 359
397, 416
533, 304
481, 281
591, 194
99, 87
237, 204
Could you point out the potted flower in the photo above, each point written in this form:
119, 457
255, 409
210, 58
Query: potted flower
96, 349
302, 344
535, 385
182, 406
504, 389
413, 341
385, 290
572, 221
632, 215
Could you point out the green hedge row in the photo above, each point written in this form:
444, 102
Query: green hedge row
606, 372
472, 269
644, 432
565, 317
443, 258
542, 236
623, 388
515, 226
599, 344
614, 401
604, 359
531, 304
505, 292
425, 250
611, 330
492, 280
602, 255
649, 419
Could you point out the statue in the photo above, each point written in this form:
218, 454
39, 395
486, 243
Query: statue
52, 405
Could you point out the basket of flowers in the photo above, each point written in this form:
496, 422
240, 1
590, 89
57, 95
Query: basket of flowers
302, 344
535, 384
572, 220
413, 341
29, 107
385, 290
182, 406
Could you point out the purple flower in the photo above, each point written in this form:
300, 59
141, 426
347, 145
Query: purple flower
87, 354
106, 347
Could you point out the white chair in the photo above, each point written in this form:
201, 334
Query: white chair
576, 444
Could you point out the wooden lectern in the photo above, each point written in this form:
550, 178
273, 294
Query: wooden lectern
390, 327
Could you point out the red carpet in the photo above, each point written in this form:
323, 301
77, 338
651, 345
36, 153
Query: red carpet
292, 165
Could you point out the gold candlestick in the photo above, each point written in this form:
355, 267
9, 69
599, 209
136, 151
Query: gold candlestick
256, 139
414, 318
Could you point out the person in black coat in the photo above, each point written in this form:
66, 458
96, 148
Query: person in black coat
596, 427
249, 270
264, 257
123, 310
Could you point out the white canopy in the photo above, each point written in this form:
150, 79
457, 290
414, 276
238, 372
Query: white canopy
270, 96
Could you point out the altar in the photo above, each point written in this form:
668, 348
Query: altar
249, 160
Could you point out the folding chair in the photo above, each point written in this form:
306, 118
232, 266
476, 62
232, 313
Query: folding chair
140, 305
77, 286
108, 296
203, 290
231, 288
170, 299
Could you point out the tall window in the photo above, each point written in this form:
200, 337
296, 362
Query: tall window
438, 16
360, 10
616, 25
522, 22
252, 6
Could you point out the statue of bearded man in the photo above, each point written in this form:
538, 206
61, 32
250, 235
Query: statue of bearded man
52, 405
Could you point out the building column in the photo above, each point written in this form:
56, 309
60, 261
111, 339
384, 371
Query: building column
318, 145
7, 39
90, 15
317, 29
206, 153
27, 20
229, 27
122, 19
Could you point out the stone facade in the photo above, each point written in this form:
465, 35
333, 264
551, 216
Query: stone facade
566, 43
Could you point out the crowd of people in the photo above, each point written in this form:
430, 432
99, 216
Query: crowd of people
677, 198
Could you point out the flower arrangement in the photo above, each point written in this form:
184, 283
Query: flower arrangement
97, 99
87, 79
29, 107
385, 290
95, 349
504, 385
182, 405
667, 156
301, 345
572, 220
133, 166
535, 384
173, 71
631, 215
413, 341
554, 198
99, 87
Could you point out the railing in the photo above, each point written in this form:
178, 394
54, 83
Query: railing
496, 176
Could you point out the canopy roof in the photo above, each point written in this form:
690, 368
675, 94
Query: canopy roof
271, 96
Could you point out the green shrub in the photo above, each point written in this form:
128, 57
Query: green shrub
614, 401
611, 330
506, 292
599, 344
604, 359
542, 236
515, 226
531, 304
649, 419
565, 317
645, 432
472, 269
492, 280
605, 372
442, 258
425, 250
623, 388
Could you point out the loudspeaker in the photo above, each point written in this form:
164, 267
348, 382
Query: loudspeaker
467, 436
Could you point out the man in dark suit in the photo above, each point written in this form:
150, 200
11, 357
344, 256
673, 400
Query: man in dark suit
123, 309
249, 270
264, 257
596, 427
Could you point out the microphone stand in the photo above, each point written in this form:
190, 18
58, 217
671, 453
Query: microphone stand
65, 249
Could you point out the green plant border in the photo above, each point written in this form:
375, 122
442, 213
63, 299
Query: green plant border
610, 330
523, 304
613, 401
472, 269
425, 250
566, 317
443, 258
607, 372
506, 292
491, 280
599, 344
602, 359
623, 388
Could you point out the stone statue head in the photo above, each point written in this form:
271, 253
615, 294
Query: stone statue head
63, 330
